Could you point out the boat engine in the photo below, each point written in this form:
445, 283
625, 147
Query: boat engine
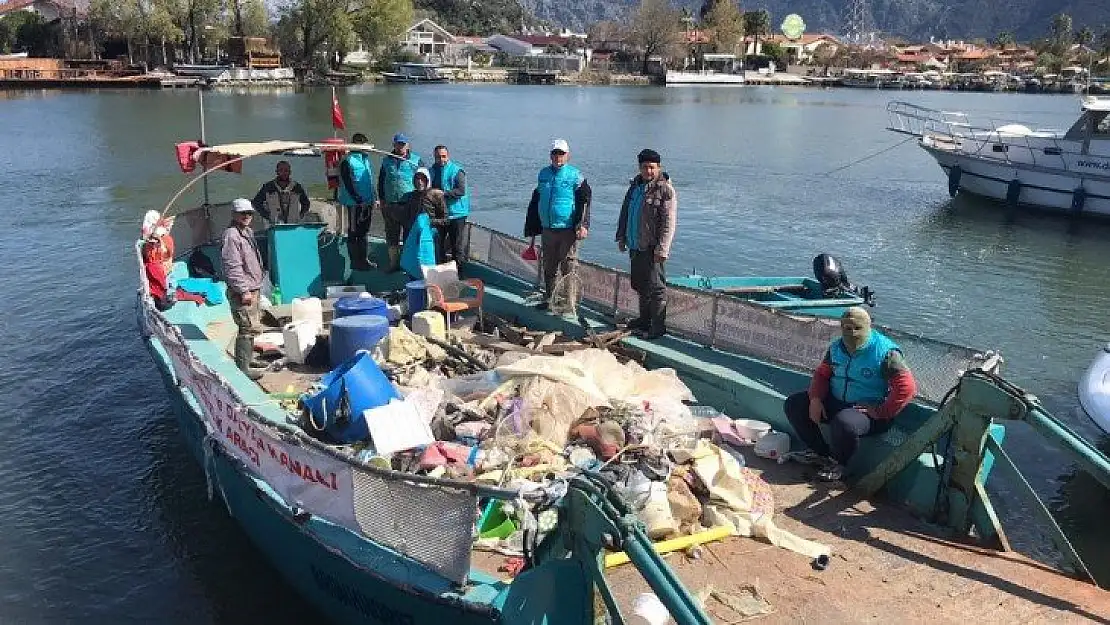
829, 271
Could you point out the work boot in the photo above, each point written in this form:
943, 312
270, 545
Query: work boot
244, 350
658, 325
394, 258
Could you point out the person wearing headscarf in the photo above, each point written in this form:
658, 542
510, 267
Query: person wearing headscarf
645, 229
860, 387
421, 211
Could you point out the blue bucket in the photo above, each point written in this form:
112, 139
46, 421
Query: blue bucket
352, 306
363, 385
417, 292
354, 332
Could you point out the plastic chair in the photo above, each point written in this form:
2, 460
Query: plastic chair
449, 294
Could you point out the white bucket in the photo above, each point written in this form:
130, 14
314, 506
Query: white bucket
300, 337
751, 430
309, 309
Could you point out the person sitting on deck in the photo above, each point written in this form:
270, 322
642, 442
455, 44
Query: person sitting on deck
420, 212
274, 200
861, 385
158, 267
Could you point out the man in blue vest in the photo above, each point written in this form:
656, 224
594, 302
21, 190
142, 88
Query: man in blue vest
394, 181
560, 213
449, 176
860, 386
356, 192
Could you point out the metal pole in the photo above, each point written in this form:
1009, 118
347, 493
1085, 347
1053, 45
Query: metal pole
203, 140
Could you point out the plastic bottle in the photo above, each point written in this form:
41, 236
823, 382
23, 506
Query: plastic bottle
275, 296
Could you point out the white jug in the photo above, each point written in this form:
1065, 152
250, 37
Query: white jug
309, 309
300, 337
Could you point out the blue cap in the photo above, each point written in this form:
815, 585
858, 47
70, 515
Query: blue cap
400, 138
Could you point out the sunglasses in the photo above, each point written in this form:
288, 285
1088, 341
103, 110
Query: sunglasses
557, 153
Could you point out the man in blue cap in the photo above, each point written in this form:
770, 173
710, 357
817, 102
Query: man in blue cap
394, 181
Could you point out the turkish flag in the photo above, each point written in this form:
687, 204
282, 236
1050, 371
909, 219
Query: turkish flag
336, 113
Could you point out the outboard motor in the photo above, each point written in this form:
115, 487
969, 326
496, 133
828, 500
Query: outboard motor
828, 270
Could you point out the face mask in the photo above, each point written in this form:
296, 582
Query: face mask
855, 330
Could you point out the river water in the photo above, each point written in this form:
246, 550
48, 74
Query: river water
106, 518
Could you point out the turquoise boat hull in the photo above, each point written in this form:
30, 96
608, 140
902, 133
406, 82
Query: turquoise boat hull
795, 295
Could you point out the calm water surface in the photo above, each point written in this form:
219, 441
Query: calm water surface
106, 516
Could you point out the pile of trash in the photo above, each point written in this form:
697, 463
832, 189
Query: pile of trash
524, 411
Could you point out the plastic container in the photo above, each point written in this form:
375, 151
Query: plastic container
429, 323
294, 260
352, 333
335, 292
417, 291
751, 430
495, 524
773, 446
360, 305
365, 387
300, 337
309, 309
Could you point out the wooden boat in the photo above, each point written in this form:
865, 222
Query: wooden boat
370, 545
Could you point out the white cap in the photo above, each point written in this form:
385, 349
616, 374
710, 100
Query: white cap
242, 205
161, 231
425, 172
561, 145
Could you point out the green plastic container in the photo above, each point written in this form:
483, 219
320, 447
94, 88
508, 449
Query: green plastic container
495, 523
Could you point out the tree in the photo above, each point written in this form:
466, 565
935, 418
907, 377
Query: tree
726, 24
1060, 32
605, 32
306, 27
1084, 37
757, 24
381, 22
657, 30
825, 55
777, 53
1004, 40
255, 18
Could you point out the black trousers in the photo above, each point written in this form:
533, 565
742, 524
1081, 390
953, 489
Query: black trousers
357, 228
846, 426
649, 280
451, 241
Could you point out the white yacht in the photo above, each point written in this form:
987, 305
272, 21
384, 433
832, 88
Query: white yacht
720, 69
1062, 171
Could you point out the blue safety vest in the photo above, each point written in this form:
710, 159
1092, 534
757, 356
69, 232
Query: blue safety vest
362, 175
556, 187
398, 176
857, 378
457, 207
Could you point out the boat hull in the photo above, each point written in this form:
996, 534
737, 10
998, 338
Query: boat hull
778, 293
1041, 187
1094, 390
342, 590
401, 78
703, 78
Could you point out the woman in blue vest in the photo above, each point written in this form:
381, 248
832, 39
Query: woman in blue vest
858, 389
356, 192
560, 213
394, 181
449, 176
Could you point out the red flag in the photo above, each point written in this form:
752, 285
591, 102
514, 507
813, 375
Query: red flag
336, 113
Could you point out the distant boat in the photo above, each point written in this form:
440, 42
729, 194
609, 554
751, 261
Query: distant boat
200, 71
415, 73
1049, 169
720, 69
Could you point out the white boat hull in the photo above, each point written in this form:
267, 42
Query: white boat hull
1094, 390
1041, 186
703, 78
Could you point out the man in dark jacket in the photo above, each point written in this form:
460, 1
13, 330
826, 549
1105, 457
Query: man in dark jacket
275, 200
645, 229
560, 213
243, 272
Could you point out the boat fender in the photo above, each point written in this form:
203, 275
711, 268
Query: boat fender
954, 174
1013, 192
1078, 199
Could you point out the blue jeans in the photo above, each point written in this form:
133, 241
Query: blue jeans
846, 426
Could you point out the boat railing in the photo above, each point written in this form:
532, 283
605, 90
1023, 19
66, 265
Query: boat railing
996, 141
729, 323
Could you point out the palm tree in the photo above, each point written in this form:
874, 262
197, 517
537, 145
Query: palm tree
1004, 40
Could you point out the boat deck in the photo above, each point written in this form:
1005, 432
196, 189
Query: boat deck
886, 567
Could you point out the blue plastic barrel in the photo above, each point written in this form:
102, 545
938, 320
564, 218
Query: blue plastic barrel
363, 384
354, 332
418, 296
351, 306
